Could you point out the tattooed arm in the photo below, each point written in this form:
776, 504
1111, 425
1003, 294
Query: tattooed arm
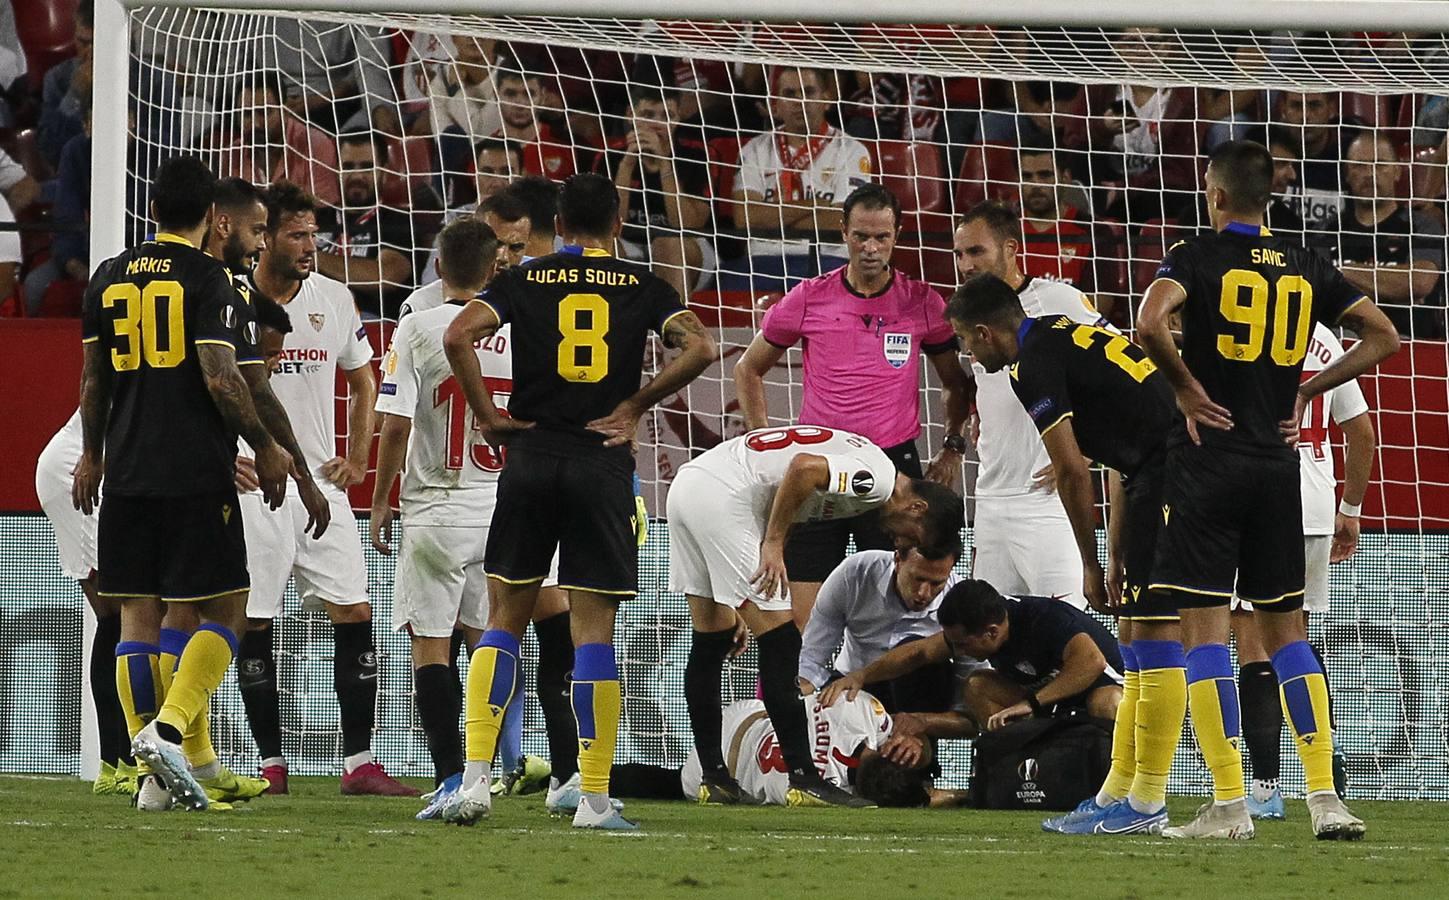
95, 408
685, 333
233, 400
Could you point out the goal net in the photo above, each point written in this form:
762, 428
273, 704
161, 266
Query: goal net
733, 143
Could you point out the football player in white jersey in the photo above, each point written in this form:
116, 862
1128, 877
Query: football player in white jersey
1023, 541
505, 213
1329, 536
730, 510
327, 336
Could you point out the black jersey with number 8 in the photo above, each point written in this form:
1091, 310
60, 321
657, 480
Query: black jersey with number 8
580, 322
1252, 299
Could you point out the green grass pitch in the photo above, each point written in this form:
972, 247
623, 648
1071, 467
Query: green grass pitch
58, 840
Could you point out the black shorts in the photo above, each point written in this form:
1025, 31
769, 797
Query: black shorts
1143, 494
176, 548
814, 549
1234, 523
553, 496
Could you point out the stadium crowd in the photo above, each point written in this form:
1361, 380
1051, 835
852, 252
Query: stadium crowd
731, 172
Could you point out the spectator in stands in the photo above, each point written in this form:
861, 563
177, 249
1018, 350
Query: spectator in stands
17, 185
70, 214
791, 184
13, 66
1060, 242
662, 176
495, 163
461, 96
364, 244
1282, 217
524, 109
1390, 251
893, 106
1322, 140
67, 88
335, 76
274, 144
541, 197
1039, 117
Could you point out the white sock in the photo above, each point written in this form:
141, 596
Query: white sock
1143, 807
271, 761
356, 760
598, 803
475, 773
553, 784
210, 770
1105, 799
1263, 789
1227, 802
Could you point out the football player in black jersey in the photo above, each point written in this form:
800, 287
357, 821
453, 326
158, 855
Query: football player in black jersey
1093, 393
580, 319
162, 403
1233, 518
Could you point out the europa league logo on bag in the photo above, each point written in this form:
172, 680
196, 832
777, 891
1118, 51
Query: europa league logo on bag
1028, 792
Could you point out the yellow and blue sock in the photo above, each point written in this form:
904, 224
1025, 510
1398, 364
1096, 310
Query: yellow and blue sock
196, 739
1161, 707
1304, 690
138, 686
492, 678
1124, 737
596, 701
203, 665
1216, 718
510, 738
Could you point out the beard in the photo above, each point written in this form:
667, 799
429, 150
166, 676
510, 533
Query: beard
235, 256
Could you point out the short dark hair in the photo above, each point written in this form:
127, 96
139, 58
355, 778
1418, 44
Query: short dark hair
506, 205
377, 140
182, 192
890, 784
285, 199
1283, 136
999, 217
1040, 150
466, 248
498, 143
945, 515
644, 91
984, 299
85, 13
234, 193
588, 205
268, 80
541, 197
949, 548
271, 314
872, 196
973, 605
1244, 170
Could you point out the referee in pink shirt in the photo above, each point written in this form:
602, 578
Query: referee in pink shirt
863, 328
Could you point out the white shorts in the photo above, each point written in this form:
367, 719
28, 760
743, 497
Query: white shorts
440, 579
75, 532
1317, 548
1025, 545
329, 570
714, 542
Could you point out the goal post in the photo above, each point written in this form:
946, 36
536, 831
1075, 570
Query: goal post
940, 100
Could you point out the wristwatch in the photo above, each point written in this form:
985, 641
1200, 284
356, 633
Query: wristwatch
955, 443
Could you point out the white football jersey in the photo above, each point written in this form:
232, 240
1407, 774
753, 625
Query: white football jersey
752, 465
843, 165
429, 296
1009, 446
451, 476
327, 333
1315, 456
838, 734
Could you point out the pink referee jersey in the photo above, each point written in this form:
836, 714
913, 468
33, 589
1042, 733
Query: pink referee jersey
862, 354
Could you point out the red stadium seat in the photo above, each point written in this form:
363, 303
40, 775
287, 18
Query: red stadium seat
1147, 250
1370, 109
63, 299
988, 171
409, 162
47, 30
723, 154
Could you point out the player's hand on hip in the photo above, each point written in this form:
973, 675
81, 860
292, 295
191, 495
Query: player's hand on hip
319, 511
273, 466
85, 489
1289, 427
849, 685
770, 578
246, 475
1345, 537
1199, 409
342, 472
1007, 716
620, 426
1045, 479
805, 686
945, 468
380, 528
503, 429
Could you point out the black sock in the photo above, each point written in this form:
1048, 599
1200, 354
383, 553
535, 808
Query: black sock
555, 667
1262, 713
168, 732
256, 678
1318, 655
438, 710
110, 722
455, 646
640, 782
779, 667
354, 675
702, 694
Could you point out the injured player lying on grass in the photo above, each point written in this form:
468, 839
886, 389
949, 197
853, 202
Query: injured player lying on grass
856, 745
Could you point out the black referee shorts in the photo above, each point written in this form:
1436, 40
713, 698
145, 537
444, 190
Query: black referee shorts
579, 503
1143, 496
1234, 522
814, 549
177, 548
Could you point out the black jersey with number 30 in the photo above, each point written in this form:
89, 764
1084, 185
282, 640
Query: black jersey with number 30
149, 309
580, 322
1252, 299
